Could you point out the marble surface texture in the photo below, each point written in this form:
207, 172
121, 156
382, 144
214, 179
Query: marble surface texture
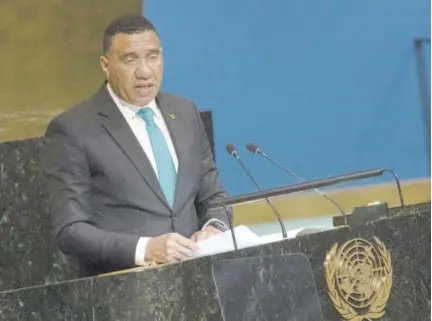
258, 288
187, 291
29, 254
71, 301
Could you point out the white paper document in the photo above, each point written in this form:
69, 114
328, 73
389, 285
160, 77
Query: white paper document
223, 242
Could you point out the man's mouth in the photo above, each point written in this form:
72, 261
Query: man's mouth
144, 86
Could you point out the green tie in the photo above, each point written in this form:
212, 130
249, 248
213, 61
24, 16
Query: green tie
164, 162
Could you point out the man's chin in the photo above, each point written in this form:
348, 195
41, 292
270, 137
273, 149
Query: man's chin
144, 99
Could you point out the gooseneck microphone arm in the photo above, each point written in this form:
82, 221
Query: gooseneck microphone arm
398, 187
308, 185
230, 222
232, 152
256, 150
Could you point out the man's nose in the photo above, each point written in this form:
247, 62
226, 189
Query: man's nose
143, 70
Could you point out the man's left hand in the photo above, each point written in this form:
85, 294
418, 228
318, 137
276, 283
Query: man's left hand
205, 233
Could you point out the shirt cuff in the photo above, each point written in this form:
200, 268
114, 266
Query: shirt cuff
214, 220
140, 251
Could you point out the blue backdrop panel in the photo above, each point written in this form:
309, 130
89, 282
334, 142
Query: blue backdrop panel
327, 87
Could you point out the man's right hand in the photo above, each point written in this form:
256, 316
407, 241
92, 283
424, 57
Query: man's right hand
170, 247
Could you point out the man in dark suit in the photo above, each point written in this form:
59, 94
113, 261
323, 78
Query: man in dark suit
130, 170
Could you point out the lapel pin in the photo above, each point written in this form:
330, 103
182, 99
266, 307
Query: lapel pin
172, 116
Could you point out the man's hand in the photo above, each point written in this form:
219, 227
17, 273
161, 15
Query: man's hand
207, 232
170, 247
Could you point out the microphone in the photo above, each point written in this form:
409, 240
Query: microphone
232, 152
256, 150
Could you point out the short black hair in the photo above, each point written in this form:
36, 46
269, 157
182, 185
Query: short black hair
128, 24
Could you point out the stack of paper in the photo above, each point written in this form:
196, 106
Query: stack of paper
223, 242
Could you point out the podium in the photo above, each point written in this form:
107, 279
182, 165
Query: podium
379, 271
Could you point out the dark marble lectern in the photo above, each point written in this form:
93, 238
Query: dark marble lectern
376, 271
190, 290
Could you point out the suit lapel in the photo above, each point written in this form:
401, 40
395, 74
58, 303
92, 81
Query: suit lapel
175, 126
117, 127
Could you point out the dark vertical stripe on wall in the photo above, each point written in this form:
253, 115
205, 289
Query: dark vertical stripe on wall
207, 119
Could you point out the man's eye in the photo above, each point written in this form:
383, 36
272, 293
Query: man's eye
129, 60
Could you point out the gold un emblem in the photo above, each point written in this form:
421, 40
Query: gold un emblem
359, 278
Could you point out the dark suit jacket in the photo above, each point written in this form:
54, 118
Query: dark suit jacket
103, 191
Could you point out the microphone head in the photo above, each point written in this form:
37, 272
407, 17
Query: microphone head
231, 150
252, 148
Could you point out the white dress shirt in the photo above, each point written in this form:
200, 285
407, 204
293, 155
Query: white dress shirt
137, 124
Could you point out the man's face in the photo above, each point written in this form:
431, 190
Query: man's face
133, 66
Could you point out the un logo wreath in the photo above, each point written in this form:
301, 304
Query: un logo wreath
359, 278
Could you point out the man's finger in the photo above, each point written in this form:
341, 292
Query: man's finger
191, 245
178, 256
172, 259
202, 236
176, 252
182, 250
212, 230
194, 237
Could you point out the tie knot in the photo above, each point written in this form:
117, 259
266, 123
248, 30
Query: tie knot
147, 114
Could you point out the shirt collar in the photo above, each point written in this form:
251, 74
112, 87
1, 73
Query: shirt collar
132, 109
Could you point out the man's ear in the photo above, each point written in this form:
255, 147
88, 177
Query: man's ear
104, 66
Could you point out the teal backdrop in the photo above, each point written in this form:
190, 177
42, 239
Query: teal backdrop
326, 87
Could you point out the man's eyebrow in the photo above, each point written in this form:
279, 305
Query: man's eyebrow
155, 50
128, 55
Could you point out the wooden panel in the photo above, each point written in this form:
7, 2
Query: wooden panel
50, 58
